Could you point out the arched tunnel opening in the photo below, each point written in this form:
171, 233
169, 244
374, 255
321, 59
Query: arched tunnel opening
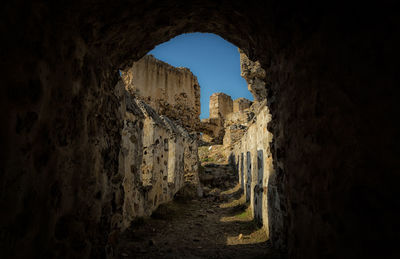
332, 88
186, 182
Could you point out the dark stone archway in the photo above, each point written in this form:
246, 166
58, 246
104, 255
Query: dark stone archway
331, 80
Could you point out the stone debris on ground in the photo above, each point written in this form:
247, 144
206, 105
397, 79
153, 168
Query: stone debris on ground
216, 225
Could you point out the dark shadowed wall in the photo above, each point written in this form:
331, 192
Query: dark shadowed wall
331, 78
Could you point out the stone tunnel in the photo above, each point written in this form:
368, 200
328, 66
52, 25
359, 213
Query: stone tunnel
331, 86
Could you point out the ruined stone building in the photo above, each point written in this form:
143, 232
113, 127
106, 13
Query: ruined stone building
318, 160
227, 119
241, 126
213, 128
236, 123
173, 92
161, 106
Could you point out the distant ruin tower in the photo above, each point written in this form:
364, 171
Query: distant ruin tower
220, 105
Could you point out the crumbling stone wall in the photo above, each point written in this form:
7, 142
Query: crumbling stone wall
213, 130
254, 140
221, 105
258, 176
236, 123
240, 104
228, 119
157, 159
170, 91
332, 80
254, 75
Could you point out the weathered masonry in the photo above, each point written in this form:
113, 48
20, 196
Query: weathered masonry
248, 137
223, 113
253, 150
157, 159
331, 74
158, 156
170, 91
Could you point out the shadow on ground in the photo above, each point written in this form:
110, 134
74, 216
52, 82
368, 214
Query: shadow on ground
218, 225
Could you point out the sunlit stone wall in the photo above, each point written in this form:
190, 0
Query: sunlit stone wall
157, 159
170, 91
253, 160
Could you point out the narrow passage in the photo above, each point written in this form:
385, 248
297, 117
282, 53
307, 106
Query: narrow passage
218, 225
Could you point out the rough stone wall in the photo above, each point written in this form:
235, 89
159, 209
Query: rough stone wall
246, 132
228, 119
256, 177
213, 130
220, 105
241, 104
332, 91
233, 133
236, 123
157, 159
252, 147
171, 91
254, 75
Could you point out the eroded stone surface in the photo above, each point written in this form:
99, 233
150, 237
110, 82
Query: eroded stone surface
213, 130
221, 105
332, 80
254, 75
237, 122
170, 91
252, 157
241, 104
153, 161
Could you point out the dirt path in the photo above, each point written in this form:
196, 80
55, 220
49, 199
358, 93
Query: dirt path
218, 225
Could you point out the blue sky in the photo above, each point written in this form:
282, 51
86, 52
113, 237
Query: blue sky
212, 59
